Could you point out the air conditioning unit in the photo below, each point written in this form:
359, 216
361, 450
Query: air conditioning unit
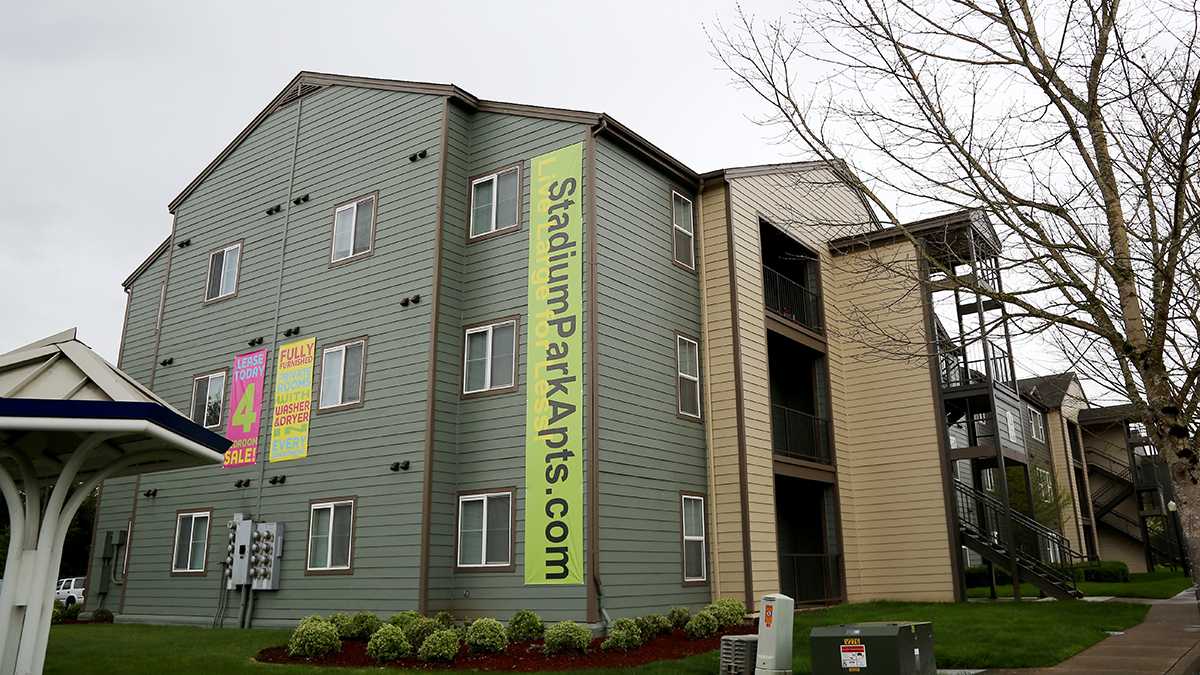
738, 653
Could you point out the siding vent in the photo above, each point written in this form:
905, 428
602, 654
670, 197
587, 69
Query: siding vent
296, 94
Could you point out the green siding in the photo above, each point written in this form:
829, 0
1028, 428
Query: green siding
352, 141
647, 453
489, 281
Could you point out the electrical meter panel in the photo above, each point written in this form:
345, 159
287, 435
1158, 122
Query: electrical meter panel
254, 553
266, 556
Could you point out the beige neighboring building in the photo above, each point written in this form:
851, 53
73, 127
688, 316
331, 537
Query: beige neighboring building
841, 467
1130, 490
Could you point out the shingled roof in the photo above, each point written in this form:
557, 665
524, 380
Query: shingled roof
1049, 390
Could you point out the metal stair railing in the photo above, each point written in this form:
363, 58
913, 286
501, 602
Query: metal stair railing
1040, 551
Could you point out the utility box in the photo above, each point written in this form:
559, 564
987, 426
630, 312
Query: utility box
875, 648
738, 653
775, 635
253, 554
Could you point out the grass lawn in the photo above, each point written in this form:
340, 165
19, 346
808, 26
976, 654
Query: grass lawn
994, 635
1160, 584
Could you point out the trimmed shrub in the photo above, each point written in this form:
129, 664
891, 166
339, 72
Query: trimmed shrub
486, 636
1102, 570
566, 636
678, 616
404, 619
361, 627
524, 626
442, 645
340, 621
653, 625
624, 634
701, 625
728, 611
420, 629
57, 612
102, 616
314, 638
444, 619
388, 644
71, 611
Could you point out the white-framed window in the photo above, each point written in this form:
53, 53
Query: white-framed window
342, 374
687, 357
682, 228
1043, 483
1011, 422
223, 272
694, 564
988, 478
330, 525
495, 202
1037, 425
489, 357
208, 399
191, 542
353, 229
485, 530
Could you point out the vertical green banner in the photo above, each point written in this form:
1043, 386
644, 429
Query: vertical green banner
554, 375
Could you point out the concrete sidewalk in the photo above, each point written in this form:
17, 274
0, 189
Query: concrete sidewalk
1166, 643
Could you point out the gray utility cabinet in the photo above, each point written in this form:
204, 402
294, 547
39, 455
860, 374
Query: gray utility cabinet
875, 648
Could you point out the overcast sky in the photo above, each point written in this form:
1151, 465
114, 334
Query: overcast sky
112, 108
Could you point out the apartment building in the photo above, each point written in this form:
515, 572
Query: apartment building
1131, 491
476, 356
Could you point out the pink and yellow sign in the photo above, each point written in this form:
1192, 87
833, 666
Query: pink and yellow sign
245, 398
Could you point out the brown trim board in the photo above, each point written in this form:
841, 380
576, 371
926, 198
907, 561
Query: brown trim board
743, 479
592, 369
943, 444
431, 372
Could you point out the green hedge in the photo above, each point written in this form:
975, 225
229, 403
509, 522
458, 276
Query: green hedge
1102, 570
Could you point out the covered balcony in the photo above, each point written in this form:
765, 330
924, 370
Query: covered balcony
791, 286
799, 421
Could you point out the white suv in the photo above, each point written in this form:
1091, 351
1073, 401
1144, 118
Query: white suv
69, 591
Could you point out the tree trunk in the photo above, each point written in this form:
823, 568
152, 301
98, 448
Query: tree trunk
1187, 500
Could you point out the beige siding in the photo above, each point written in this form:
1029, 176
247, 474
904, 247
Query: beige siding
893, 514
894, 520
725, 522
1064, 473
813, 208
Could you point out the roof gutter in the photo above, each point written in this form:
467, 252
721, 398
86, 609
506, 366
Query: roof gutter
631, 141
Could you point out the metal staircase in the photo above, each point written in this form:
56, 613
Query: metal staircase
1162, 545
1007, 538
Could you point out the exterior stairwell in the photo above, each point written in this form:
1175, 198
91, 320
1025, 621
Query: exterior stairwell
1006, 538
1166, 550
1119, 488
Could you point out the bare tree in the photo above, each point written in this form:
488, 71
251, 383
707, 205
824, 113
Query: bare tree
1071, 123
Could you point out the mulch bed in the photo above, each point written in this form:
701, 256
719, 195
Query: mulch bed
523, 657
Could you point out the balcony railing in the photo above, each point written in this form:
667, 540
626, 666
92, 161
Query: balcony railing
790, 300
961, 367
811, 577
798, 434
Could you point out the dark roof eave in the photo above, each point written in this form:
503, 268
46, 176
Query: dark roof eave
115, 410
972, 218
459, 95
